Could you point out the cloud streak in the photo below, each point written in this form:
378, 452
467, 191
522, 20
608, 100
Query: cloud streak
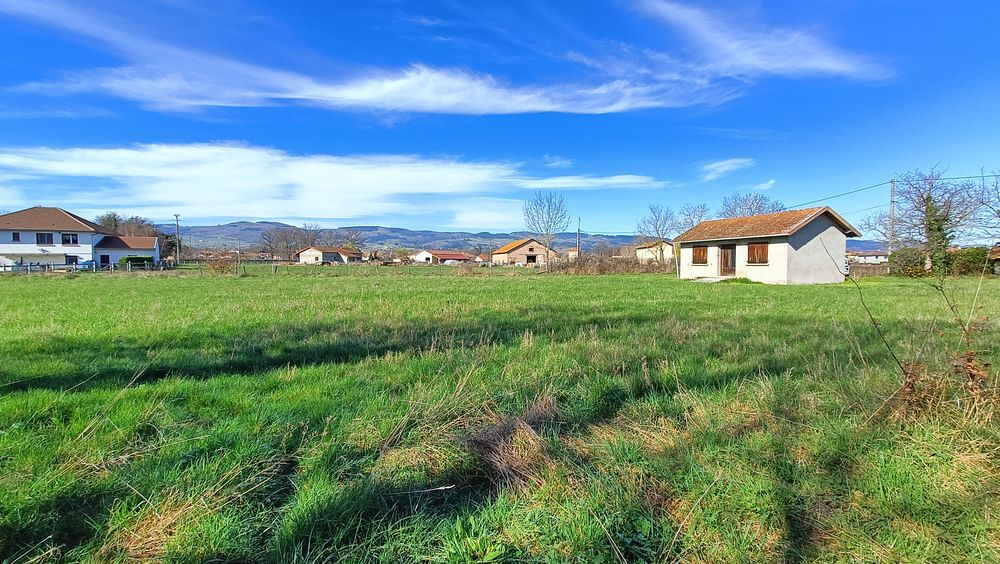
239, 180
718, 169
731, 49
161, 75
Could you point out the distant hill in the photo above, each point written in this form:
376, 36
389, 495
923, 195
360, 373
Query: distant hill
249, 232
864, 245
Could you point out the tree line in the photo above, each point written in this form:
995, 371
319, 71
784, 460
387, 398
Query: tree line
286, 241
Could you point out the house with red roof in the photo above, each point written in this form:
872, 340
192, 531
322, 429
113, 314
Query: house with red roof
806, 246
441, 257
317, 254
47, 235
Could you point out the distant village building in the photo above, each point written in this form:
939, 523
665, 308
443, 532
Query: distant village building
523, 252
806, 246
572, 254
47, 235
328, 255
868, 257
994, 257
655, 251
441, 257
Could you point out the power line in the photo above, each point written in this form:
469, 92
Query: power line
842, 194
866, 209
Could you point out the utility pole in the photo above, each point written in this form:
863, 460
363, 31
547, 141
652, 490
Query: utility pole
892, 215
578, 237
177, 237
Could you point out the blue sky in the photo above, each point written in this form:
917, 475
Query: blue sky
447, 114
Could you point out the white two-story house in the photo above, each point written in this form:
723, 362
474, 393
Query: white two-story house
44, 235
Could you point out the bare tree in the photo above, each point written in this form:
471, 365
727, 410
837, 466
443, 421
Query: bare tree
134, 226
691, 215
930, 214
754, 203
351, 238
281, 242
310, 234
546, 215
602, 249
656, 227
989, 192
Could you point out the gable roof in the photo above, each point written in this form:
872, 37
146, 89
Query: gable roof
780, 224
123, 242
451, 255
515, 245
43, 218
995, 253
340, 250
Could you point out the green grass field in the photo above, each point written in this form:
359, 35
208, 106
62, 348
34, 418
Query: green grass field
434, 417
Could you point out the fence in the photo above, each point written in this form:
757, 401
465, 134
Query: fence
41, 268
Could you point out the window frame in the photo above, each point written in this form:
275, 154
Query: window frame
694, 255
74, 238
751, 255
15, 237
39, 239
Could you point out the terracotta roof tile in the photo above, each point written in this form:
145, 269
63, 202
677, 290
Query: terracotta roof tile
451, 255
52, 219
514, 245
767, 225
995, 253
123, 242
341, 250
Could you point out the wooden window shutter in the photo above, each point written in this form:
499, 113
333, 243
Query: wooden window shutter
757, 253
700, 255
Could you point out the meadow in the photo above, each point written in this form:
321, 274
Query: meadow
320, 416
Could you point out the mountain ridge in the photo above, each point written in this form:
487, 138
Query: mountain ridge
249, 233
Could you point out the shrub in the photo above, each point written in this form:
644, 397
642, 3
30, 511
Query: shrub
908, 261
134, 261
969, 261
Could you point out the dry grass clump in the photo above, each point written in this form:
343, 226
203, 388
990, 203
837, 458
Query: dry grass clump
146, 534
608, 265
511, 448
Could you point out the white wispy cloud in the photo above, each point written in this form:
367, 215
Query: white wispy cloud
240, 180
767, 185
732, 48
585, 182
162, 75
718, 169
555, 161
494, 213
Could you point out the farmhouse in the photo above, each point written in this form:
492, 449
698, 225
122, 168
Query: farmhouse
523, 252
806, 246
868, 257
994, 257
655, 251
441, 257
46, 235
328, 255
